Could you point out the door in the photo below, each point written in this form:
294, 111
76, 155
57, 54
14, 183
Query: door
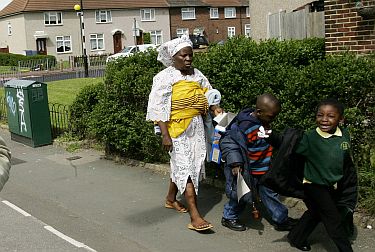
41, 46
140, 38
117, 44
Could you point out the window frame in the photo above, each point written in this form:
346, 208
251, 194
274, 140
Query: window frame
151, 12
57, 14
247, 28
96, 39
183, 31
247, 11
190, 10
230, 30
156, 35
98, 15
64, 41
212, 12
230, 10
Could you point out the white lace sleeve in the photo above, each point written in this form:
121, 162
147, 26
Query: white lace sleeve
159, 101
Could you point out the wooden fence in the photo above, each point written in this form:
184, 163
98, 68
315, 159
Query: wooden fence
295, 25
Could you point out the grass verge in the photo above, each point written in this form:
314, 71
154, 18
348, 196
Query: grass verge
65, 91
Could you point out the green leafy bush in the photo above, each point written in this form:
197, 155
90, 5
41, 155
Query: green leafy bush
242, 68
10, 59
82, 107
119, 118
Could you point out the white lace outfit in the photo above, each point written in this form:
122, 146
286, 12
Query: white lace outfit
189, 149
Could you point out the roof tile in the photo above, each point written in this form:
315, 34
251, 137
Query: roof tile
17, 6
226, 3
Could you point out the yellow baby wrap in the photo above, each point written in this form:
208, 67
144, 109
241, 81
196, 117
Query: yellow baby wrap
188, 100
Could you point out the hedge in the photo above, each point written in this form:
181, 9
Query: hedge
118, 119
10, 59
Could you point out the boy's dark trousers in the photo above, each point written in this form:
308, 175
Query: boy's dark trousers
321, 207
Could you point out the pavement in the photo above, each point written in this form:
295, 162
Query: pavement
61, 201
20, 231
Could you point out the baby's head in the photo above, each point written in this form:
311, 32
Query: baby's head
267, 108
329, 114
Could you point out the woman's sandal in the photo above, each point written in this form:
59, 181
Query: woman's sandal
204, 226
178, 206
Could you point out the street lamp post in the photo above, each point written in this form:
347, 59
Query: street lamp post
135, 34
79, 9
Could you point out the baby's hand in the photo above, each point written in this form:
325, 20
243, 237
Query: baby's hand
216, 110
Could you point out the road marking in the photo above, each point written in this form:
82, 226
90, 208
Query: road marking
24, 213
68, 239
51, 229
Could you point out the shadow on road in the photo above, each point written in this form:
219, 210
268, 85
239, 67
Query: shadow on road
208, 198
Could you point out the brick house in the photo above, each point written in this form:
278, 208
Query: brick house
215, 19
348, 26
52, 27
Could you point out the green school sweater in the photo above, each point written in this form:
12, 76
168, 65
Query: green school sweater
324, 155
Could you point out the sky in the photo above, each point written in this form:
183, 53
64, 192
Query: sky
4, 3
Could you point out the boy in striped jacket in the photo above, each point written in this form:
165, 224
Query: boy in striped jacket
245, 150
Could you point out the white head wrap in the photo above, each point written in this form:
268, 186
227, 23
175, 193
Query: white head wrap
170, 48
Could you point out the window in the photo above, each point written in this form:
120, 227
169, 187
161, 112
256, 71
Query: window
63, 44
214, 12
9, 29
156, 37
53, 18
231, 32
103, 16
147, 14
97, 41
230, 12
247, 30
188, 13
182, 31
247, 12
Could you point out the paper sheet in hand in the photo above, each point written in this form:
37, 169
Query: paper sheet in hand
242, 187
223, 120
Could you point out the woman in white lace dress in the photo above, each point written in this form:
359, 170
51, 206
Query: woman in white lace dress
177, 104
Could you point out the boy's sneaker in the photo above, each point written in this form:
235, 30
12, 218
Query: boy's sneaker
286, 225
234, 224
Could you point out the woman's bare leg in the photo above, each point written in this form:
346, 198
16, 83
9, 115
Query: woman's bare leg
172, 191
191, 198
171, 201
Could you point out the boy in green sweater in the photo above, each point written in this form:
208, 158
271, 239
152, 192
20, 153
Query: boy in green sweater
327, 151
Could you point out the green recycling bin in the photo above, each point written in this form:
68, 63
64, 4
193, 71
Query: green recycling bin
28, 113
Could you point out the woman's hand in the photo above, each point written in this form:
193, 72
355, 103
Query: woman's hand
167, 142
166, 138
